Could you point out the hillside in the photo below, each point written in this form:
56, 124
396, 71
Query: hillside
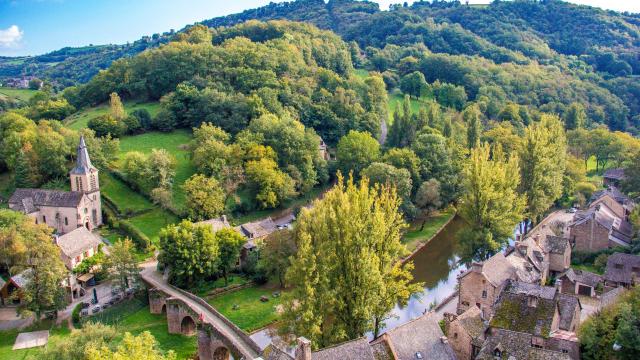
593, 52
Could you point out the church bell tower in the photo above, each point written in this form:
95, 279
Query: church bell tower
84, 178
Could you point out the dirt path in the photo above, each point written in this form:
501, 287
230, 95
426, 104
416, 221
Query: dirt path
383, 131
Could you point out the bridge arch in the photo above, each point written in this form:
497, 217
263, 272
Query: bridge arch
187, 326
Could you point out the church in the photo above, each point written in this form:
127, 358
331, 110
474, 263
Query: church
65, 211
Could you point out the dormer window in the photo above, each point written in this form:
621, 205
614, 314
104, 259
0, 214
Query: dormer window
419, 355
532, 301
619, 266
484, 294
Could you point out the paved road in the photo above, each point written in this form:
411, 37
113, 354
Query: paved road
154, 278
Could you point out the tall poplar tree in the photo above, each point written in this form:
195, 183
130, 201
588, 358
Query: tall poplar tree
491, 203
346, 275
471, 116
544, 157
116, 107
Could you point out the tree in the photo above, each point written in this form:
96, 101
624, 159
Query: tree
428, 198
575, 117
205, 197
116, 109
160, 169
189, 251
356, 151
413, 84
23, 177
163, 198
143, 346
44, 272
604, 145
346, 276
403, 130
543, 162
631, 184
276, 253
229, 244
76, 345
404, 159
490, 202
385, 174
14, 227
270, 185
122, 265
471, 116
106, 124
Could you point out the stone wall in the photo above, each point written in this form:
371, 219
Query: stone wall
470, 291
590, 236
458, 337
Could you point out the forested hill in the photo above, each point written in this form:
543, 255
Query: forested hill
544, 54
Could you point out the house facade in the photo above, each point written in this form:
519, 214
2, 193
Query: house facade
599, 228
466, 333
77, 245
623, 270
65, 211
559, 252
579, 282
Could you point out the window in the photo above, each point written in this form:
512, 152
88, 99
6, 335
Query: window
86, 210
478, 305
455, 335
44, 219
465, 303
66, 221
619, 266
564, 351
484, 294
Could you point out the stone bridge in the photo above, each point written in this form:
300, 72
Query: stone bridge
187, 314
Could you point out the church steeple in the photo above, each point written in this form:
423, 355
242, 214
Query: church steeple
84, 177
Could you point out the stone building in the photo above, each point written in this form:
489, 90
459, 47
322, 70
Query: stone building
466, 333
559, 252
579, 282
599, 228
77, 245
65, 211
613, 177
623, 270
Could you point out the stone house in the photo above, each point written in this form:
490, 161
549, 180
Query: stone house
622, 270
599, 228
481, 284
10, 290
466, 332
77, 245
559, 252
579, 282
532, 316
65, 211
613, 177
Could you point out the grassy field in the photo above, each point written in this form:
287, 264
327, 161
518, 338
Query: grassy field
172, 142
20, 94
150, 223
122, 195
251, 314
134, 317
7, 338
80, 119
416, 237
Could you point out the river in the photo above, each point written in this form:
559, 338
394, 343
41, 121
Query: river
435, 265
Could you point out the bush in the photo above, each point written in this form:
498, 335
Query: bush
75, 314
144, 118
139, 238
164, 121
107, 124
585, 189
132, 124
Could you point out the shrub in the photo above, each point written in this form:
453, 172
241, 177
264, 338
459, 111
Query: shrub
75, 314
144, 118
132, 124
107, 124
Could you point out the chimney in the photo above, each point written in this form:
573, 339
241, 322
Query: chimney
558, 285
303, 351
476, 267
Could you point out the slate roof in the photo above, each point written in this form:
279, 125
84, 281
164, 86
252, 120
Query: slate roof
258, 229
77, 242
423, 335
582, 276
496, 269
615, 174
619, 229
610, 297
612, 191
83, 162
23, 199
358, 349
513, 310
21, 279
216, 224
556, 244
567, 305
515, 345
624, 274
272, 352
471, 321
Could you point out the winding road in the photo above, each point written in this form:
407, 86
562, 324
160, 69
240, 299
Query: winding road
243, 343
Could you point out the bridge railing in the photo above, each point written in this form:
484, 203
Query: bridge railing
238, 332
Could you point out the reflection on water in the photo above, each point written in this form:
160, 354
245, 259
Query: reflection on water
436, 265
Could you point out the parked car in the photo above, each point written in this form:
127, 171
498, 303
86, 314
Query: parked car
85, 305
96, 309
115, 290
106, 305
